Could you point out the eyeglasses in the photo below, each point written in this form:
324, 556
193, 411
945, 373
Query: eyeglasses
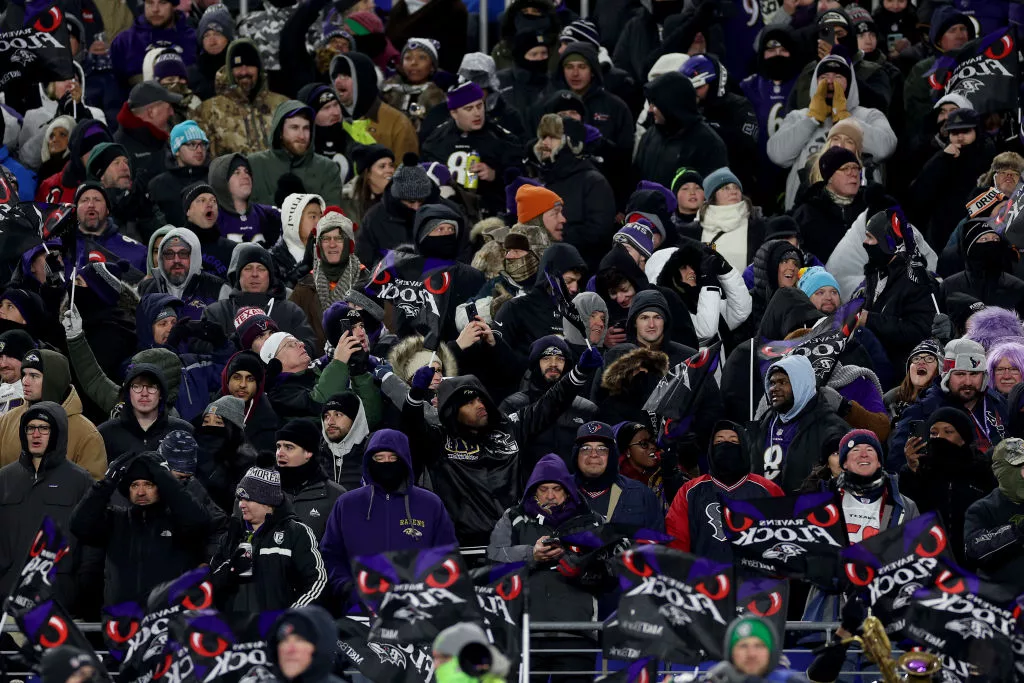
37, 429
646, 443
179, 255
924, 359
594, 450
195, 144
1008, 175
1007, 371
148, 388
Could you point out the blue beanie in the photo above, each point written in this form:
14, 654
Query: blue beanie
716, 180
856, 437
815, 278
186, 131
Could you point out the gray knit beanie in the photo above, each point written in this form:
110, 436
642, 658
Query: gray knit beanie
410, 181
230, 409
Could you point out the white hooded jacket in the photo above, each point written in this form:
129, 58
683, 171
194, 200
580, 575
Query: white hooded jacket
800, 136
33, 128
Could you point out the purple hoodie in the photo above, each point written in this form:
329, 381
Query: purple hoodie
368, 520
551, 468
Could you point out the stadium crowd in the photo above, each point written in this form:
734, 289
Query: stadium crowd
338, 284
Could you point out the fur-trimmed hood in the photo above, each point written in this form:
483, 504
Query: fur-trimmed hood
1007, 161
618, 374
408, 356
993, 324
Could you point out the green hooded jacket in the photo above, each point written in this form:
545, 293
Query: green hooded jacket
319, 175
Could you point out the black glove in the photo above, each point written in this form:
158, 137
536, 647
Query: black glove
117, 468
241, 561
208, 331
853, 614
66, 106
179, 333
359, 363
273, 370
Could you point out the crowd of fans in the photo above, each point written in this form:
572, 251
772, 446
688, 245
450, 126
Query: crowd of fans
223, 360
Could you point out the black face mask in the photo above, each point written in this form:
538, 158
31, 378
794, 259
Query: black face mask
443, 247
211, 440
536, 68
663, 9
87, 301
877, 257
729, 463
779, 68
986, 257
528, 24
388, 475
945, 458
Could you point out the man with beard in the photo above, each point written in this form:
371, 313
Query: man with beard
311, 493
109, 165
14, 344
549, 358
679, 136
144, 128
180, 274
239, 119
46, 376
787, 441
595, 466
964, 385
97, 232
345, 432
291, 151
473, 456
695, 515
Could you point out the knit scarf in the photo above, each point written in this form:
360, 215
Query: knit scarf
838, 198
730, 220
341, 274
864, 486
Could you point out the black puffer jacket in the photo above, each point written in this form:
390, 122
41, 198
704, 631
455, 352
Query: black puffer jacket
145, 545
27, 495
684, 139
477, 473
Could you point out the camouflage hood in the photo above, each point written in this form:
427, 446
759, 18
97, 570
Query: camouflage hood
225, 77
